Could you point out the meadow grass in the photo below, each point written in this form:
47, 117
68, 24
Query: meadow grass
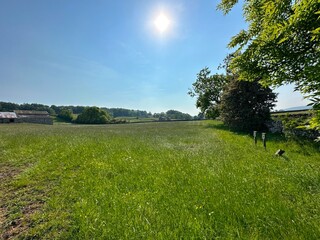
175, 180
137, 119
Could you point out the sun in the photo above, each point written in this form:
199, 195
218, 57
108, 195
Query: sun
162, 23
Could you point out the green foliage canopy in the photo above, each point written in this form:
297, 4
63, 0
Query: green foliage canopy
9, 107
93, 115
281, 44
66, 114
122, 112
208, 89
246, 105
177, 115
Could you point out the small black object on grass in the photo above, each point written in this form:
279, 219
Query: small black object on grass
280, 152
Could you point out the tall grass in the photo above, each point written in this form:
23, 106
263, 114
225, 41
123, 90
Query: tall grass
160, 181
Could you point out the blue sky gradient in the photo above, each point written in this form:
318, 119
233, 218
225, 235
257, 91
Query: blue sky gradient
108, 53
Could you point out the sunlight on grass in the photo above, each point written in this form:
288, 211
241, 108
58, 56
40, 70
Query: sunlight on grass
160, 181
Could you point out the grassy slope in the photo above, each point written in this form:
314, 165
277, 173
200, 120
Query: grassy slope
155, 181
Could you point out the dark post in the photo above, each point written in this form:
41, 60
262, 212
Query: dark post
264, 140
255, 137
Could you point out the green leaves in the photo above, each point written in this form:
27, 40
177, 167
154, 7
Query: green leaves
283, 40
246, 105
281, 45
66, 114
241, 39
208, 89
226, 5
316, 33
93, 115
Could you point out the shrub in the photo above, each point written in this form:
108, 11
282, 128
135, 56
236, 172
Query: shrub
246, 106
93, 115
299, 127
66, 114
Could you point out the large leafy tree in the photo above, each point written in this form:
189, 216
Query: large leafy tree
93, 115
208, 90
246, 105
281, 44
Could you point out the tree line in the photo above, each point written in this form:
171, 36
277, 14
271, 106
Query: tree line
122, 112
83, 114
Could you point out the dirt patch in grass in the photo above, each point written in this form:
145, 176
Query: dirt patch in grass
8, 172
19, 226
13, 227
2, 216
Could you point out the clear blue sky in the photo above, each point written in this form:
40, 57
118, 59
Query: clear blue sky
109, 53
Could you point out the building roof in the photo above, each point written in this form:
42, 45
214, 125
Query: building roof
28, 112
8, 115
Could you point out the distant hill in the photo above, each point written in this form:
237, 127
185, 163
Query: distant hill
298, 108
302, 111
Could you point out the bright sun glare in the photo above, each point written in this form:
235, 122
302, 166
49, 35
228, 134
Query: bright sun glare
162, 23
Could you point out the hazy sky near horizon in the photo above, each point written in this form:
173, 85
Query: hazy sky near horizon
110, 53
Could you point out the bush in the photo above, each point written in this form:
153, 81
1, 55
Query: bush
66, 114
93, 115
118, 121
246, 106
315, 121
299, 127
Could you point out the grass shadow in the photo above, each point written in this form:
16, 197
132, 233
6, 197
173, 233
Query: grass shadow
304, 144
283, 157
271, 137
221, 126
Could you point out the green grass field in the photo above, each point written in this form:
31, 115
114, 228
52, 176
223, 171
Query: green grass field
177, 180
137, 120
